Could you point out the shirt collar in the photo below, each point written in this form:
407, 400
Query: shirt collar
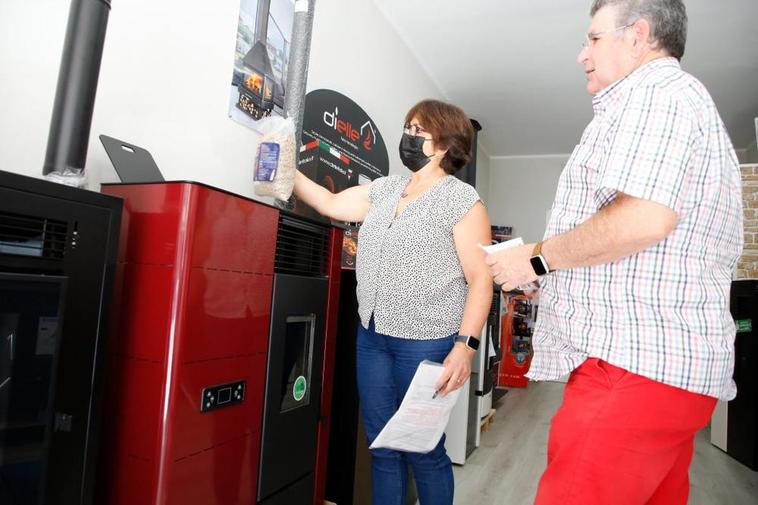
615, 91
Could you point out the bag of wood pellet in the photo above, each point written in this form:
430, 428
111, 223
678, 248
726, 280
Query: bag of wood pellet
276, 160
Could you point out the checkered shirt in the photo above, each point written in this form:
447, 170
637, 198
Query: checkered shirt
662, 313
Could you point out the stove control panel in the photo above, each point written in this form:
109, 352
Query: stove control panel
224, 395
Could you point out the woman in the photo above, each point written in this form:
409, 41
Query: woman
423, 285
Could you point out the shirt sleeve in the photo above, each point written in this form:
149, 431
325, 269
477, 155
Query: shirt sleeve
649, 150
461, 200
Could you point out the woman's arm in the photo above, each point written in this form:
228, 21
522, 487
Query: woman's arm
349, 205
472, 229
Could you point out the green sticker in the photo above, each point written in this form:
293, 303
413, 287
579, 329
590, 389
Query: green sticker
744, 325
298, 390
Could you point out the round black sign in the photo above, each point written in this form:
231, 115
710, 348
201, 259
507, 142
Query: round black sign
341, 144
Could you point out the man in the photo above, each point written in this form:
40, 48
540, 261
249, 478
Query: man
644, 235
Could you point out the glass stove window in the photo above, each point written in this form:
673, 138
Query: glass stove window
268, 90
298, 360
255, 83
29, 334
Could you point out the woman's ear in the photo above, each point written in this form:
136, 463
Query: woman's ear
439, 150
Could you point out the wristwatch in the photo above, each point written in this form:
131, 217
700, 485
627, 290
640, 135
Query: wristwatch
469, 341
539, 264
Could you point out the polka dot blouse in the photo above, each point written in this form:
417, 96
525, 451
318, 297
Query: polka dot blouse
409, 275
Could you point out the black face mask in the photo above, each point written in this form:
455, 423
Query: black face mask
412, 152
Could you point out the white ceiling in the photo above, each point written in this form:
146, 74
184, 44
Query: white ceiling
511, 64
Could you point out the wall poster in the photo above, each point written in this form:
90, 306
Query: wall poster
259, 79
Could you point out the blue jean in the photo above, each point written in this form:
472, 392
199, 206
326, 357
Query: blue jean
385, 367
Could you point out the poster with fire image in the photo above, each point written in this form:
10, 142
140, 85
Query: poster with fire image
349, 247
259, 79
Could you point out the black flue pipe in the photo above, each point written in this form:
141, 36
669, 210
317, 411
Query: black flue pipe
77, 84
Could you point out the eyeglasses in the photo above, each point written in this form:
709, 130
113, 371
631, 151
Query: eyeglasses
413, 129
591, 38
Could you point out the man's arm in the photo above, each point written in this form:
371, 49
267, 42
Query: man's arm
622, 228
626, 226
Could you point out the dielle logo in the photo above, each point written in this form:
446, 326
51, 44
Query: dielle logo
347, 129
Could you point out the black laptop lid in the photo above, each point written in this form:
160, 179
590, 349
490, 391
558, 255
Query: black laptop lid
132, 163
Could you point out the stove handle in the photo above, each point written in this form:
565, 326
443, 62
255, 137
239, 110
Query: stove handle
5, 381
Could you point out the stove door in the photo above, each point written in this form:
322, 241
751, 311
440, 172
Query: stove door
293, 383
30, 317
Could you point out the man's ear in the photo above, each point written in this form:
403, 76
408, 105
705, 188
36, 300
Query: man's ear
641, 33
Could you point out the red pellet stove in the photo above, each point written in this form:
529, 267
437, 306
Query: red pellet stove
220, 371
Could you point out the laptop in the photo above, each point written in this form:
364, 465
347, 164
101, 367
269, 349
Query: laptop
133, 164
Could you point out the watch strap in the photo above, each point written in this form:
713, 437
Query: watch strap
537, 253
468, 340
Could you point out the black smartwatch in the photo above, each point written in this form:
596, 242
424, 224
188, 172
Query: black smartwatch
539, 264
469, 341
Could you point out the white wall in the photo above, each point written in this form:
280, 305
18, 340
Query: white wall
31, 42
521, 192
483, 174
165, 81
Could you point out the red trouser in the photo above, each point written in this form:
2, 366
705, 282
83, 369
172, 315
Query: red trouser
621, 439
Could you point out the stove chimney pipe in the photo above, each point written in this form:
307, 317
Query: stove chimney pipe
77, 84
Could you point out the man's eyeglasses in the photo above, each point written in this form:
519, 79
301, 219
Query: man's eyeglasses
413, 129
591, 38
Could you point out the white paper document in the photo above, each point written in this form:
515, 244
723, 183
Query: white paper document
514, 242
418, 424
489, 249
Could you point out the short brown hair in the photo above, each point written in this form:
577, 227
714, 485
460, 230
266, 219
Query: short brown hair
451, 129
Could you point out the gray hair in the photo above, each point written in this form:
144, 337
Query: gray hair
667, 18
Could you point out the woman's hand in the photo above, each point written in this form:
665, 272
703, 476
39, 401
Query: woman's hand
457, 369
